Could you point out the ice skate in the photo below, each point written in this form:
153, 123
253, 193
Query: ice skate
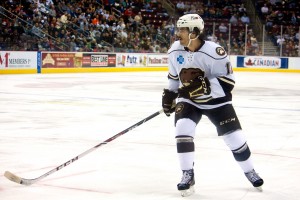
255, 180
186, 186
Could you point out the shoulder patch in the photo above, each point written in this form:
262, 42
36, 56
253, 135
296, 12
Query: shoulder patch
220, 51
180, 59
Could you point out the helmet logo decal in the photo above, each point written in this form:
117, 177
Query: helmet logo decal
180, 59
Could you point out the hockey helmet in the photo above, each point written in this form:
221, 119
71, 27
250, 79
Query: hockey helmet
191, 21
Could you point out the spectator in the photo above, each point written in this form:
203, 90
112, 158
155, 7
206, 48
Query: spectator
128, 13
137, 21
294, 19
212, 38
233, 19
36, 31
265, 10
95, 20
180, 7
223, 28
297, 36
280, 40
245, 19
242, 10
64, 18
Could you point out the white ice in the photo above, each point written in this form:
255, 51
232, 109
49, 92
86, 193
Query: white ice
47, 119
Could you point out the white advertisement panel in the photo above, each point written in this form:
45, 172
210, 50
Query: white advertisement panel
265, 62
18, 60
131, 60
99, 60
157, 60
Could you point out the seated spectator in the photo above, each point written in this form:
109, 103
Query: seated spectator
270, 21
180, 7
242, 10
235, 49
64, 19
294, 19
212, 38
245, 19
297, 36
264, 10
36, 31
233, 19
128, 13
280, 41
137, 21
95, 20
280, 18
223, 28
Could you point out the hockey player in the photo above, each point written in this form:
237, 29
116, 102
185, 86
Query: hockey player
201, 79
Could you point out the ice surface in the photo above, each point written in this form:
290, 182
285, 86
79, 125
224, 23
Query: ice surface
47, 119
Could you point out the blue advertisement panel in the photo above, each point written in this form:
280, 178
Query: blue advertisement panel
39, 62
262, 62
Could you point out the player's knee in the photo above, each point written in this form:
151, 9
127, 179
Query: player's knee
185, 127
237, 143
185, 144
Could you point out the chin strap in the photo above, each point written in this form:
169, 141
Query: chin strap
190, 40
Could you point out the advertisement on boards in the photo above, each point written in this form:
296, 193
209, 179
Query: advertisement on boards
157, 60
77, 60
58, 60
131, 60
262, 62
98, 60
18, 60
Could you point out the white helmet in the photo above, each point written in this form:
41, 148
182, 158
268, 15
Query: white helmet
191, 21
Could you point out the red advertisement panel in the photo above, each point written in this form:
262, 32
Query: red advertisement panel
58, 60
77, 60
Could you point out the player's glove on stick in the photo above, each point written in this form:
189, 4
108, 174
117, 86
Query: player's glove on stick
168, 101
198, 87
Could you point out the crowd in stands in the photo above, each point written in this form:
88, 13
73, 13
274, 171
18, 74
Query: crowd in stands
122, 25
82, 25
282, 21
222, 16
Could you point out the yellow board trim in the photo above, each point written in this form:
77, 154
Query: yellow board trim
18, 71
104, 69
265, 70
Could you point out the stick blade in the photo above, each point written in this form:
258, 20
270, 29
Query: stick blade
13, 177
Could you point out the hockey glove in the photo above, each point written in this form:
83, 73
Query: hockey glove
198, 87
168, 101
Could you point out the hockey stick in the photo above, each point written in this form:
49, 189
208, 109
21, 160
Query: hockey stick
25, 181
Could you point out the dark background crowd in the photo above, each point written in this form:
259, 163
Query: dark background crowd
143, 25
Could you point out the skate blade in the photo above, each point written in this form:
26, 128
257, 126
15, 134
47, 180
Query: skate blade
259, 188
188, 192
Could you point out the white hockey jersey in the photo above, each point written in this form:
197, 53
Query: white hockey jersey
210, 61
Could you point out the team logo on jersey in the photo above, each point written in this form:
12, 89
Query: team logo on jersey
220, 51
180, 59
179, 108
